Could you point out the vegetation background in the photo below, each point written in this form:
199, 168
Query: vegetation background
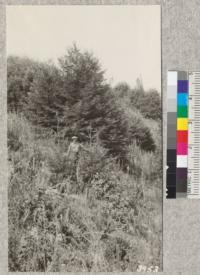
107, 218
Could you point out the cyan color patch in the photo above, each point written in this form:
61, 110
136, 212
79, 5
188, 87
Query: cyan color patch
182, 99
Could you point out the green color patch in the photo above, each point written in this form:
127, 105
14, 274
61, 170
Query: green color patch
182, 111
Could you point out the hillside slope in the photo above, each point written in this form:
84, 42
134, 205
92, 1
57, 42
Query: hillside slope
104, 219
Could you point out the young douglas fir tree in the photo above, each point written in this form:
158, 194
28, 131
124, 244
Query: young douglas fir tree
46, 101
90, 106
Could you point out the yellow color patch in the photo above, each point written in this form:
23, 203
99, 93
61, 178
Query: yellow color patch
182, 123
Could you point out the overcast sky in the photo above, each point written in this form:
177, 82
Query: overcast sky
126, 39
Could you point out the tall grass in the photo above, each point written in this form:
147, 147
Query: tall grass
104, 219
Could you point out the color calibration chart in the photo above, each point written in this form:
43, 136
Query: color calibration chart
183, 135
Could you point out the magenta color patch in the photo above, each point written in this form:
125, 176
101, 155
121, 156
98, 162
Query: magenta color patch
182, 149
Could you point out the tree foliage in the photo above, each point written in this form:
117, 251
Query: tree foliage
147, 102
105, 218
46, 100
91, 110
20, 75
75, 98
122, 90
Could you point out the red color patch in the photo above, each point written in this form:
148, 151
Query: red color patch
182, 136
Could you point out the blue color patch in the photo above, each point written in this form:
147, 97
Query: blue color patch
182, 99
182, 86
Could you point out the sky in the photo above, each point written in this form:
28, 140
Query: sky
125, 39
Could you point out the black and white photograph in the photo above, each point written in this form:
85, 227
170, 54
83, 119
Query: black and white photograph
84, 138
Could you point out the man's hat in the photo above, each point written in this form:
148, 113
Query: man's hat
74, 137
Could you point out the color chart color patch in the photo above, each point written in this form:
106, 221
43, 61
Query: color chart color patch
183, 135
171, 132
182, 126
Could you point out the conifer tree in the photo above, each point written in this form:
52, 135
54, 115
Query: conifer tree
91, 109
46, 101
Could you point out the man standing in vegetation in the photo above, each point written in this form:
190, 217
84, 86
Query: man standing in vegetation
73, 154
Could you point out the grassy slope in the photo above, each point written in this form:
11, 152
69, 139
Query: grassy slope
109, 220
